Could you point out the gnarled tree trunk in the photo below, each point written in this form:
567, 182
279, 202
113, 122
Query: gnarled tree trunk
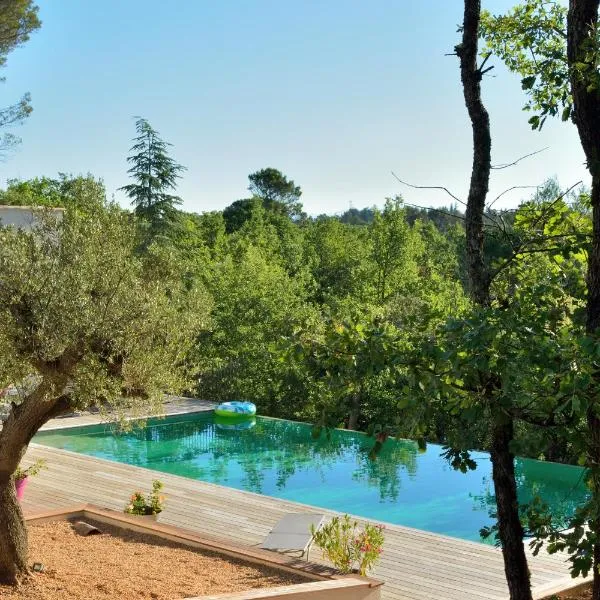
13, 534
22, 423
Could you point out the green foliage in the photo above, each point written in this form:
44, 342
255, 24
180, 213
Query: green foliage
154, 173
18, 18
30, 471
431, 288
274, 278
524, 349
394, 250
342, 360
345, 545
211, 227
150, 504
277, 193
80, 193
271, 191
72, 290
515, 357
339, 261
240, 211
578, 398
531, 40
355, 216
280, 239
255, 303
444, 218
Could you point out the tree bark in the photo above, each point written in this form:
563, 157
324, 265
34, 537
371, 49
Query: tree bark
354, 411
582, 20
13, 535
510, 530
581, 26
21, 425
582, 49
593, 423
470, 75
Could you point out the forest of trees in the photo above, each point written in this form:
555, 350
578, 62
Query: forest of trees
322, 319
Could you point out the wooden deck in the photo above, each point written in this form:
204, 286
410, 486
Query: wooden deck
415, 565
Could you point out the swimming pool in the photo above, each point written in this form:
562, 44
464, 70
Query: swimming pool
279, 458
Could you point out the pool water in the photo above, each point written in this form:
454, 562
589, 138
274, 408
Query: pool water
279, 458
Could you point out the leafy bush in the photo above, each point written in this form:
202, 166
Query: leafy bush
345, 545
151, 504
31, 470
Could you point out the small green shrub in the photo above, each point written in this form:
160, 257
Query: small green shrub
31, 470
345, 545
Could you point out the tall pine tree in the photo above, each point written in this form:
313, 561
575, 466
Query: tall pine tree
154, 173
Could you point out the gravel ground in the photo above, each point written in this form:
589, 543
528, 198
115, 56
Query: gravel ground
582, 592
128, 565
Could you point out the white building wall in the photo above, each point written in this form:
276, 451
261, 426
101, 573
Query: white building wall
24, 217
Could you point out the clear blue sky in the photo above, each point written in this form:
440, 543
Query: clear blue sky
335, 94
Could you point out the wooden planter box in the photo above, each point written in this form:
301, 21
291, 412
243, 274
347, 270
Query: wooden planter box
326, 584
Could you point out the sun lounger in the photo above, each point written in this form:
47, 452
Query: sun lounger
293, 533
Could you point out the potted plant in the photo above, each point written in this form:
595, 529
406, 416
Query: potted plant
22, 476
147, 505
347, 547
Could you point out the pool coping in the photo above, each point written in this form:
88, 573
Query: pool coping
323, 582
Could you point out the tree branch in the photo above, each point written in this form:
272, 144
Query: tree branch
442, 212
429, 187
518, 160
510, 189
522, 247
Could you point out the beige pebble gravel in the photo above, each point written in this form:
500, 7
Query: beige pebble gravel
130, 566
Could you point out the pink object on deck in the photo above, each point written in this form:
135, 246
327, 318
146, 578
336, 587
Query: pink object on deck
20, 485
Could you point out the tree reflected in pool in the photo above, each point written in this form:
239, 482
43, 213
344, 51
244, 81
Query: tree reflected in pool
282, 459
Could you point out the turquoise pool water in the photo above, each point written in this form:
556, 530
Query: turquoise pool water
280, 458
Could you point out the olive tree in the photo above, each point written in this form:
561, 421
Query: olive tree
84, 323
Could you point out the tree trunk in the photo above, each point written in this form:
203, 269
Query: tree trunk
20, 426
593, 272
13, 535
593, 423
582, 49
470, 75
510, 530
354, 411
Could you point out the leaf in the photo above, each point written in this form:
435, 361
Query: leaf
528, 82
534, 121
